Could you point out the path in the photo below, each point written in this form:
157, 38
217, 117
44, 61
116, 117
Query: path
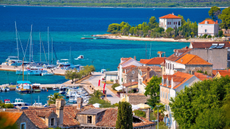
94, 81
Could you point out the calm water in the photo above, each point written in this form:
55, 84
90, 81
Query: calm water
68, 25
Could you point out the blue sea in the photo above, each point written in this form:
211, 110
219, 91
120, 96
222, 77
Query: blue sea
67, 25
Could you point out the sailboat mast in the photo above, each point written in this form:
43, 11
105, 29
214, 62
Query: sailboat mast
31, 58
70, 56
52, 58
16, 33
40, 47
48, 44
23, 69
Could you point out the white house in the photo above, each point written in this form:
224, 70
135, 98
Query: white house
169, 20
171, 84
208, 27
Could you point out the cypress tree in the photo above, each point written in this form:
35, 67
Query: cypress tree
124, 116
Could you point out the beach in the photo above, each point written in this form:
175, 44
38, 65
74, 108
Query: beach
118, 37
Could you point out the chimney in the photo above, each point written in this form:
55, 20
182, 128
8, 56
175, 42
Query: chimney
79, 103
148, 114
135, 58
206, 22
172, 83
172, 13
60, 103
148, 74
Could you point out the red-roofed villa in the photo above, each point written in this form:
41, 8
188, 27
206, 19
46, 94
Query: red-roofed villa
169, 20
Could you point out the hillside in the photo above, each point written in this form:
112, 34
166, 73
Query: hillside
122, 3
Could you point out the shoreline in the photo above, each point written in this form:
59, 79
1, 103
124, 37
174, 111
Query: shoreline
107, 6
111, 36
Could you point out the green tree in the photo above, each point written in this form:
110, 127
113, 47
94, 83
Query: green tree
220, 33
225, 17
97, 94
214, 12
160, 30
70, 74
124, 116
114, 28
153, 23
201, 105
131, 30
52, 98
153, 90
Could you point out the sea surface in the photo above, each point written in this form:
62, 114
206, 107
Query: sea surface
67, 25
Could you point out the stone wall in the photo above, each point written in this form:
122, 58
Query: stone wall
191, 69
24, 119
132, 76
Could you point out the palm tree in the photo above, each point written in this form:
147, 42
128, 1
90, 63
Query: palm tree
52, 98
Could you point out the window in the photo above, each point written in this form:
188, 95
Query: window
52, 122
205, 30
23, 125
89, 119
179, 23
168, 96
140, 81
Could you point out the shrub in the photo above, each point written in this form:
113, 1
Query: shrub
111, 80
209, 36
140, 113
204, 36
115, 85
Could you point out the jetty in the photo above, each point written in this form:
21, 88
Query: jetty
13, 68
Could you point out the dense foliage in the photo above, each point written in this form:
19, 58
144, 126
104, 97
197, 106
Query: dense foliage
123, 3
115, 85
140, 113
225, 17
214, 12
153, 90
203, 105
74, 74
52, 98
152, 29
124, 116
3, 105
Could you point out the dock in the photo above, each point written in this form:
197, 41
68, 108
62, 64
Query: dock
60, 72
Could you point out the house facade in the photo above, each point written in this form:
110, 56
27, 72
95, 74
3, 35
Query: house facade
171, 84
127, 70
208, 27
169, 20
187, 63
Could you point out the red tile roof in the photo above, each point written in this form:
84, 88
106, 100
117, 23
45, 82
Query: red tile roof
214, 72
130, 84
224, 73
178, 53
209, 21
11, 117
170, 16
190, 59
153, 61
110, 117
203, 45
177, 77
201, 76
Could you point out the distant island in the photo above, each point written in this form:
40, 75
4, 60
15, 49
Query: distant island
120, 3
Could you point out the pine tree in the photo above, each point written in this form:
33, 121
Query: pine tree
124, 116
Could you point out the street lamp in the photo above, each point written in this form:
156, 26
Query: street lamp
158, 115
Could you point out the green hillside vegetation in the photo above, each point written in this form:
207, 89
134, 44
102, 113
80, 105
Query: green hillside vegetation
122, 3
152, 29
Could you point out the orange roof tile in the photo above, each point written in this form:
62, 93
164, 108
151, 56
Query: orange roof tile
177, 77
130, 84
180, 53
170, 16
202, 76
224, 73
190, 59
11, 117
214, 72
153, 61
209, 21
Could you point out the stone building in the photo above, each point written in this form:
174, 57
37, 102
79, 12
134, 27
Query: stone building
72, 117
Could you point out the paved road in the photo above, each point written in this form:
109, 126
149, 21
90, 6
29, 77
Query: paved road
94, 81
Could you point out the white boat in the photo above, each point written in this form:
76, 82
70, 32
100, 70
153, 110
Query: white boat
79, 57
55, 88
47, 74
19, 102
12, 61
7, 101
37, 104
36, 87
32, 71
23, 87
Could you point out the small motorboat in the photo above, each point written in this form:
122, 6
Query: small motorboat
55, 88
37, 104
19, 102
36, 87
7, 101
79, 57
46, 74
